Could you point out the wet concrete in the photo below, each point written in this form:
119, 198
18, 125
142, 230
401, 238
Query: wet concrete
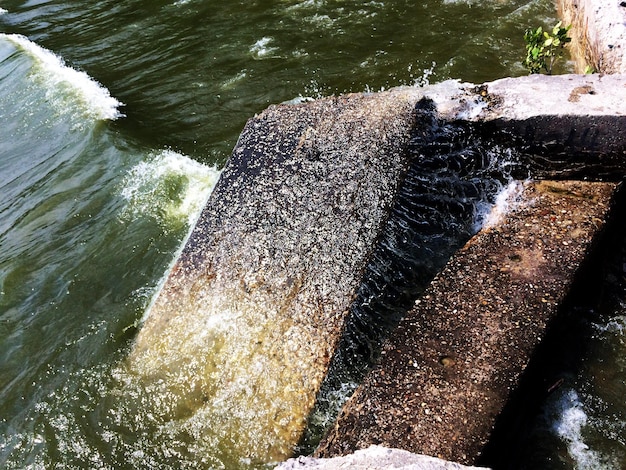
565, 126
242, 332
456, 357
241, 335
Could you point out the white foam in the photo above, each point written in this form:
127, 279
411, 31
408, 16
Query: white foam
234, 80
307, 4
333, 401
61, 80
299, 100
320, 20
3, 11
569, 426
145, 188
169, 187
506, 200
299, 53
616, 325
424, 79
261, 48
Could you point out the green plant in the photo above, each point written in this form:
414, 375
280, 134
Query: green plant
544, 48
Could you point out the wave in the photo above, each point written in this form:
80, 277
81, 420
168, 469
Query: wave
64, 85
169, 187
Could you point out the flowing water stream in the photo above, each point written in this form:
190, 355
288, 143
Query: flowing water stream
115, 118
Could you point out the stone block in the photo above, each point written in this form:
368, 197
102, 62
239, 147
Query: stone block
447, 371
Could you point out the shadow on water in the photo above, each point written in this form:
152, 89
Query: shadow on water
453, 181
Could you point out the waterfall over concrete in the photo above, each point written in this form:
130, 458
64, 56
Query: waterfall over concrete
241, 335
449, 368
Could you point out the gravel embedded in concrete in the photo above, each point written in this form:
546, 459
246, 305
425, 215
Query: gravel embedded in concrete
447, 371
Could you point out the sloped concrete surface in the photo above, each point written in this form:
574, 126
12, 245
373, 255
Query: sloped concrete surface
241, 334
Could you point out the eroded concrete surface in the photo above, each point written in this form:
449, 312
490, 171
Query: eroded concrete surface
240, 336
448, 369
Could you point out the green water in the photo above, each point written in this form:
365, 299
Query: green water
191, 72
113, 119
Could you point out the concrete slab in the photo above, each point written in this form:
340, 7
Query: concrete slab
573, 123
447, 371
565, 126
241, 334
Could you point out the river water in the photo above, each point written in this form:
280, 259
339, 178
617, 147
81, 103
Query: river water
115, 118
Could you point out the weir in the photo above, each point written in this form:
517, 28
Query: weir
448, 369
453, 178
241, 335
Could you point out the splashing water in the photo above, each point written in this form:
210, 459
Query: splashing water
569, 427
62, 82
169, 187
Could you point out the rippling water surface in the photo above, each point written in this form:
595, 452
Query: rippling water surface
114, 120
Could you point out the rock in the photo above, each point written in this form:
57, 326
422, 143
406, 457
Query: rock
598, 34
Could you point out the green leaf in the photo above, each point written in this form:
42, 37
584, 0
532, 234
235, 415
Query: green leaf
544, 48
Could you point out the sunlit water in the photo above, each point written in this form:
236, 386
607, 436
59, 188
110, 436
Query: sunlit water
114, 120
